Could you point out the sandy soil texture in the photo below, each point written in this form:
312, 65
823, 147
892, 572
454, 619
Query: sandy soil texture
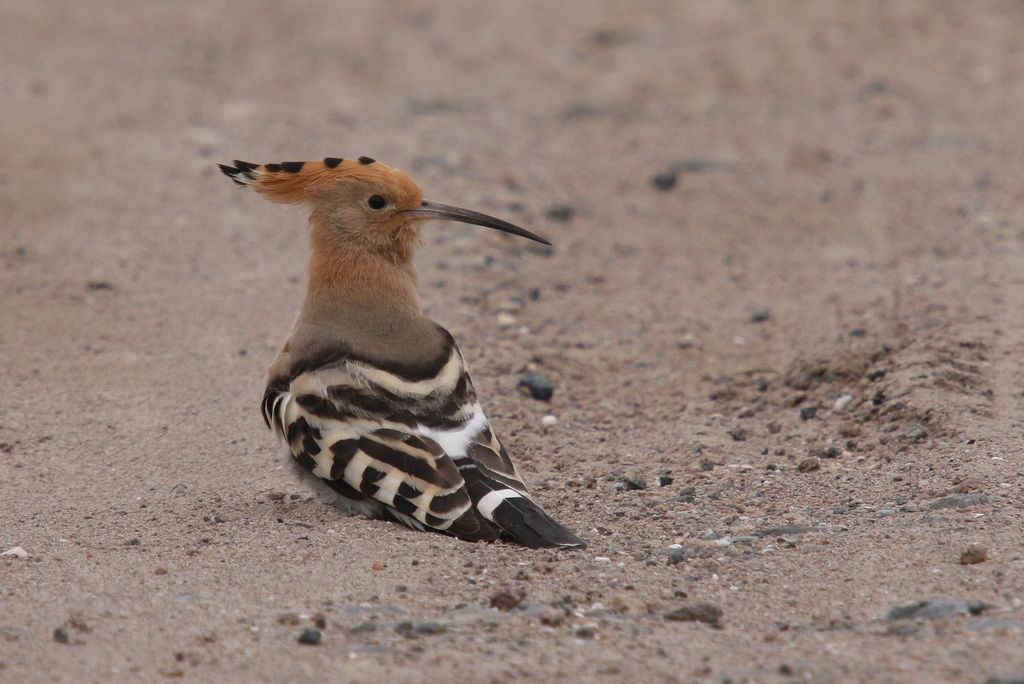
784, 321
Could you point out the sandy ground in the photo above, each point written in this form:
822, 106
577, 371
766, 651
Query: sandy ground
758, 208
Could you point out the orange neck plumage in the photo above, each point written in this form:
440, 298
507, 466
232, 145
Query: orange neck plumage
359, 270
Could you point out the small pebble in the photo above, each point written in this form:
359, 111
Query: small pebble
429, 628
665, 180
665, 480
560, 212
15, 551
310, 636
179, 488
134, 541
700, 611
537, 386
761, 315
586, 631
507, 599
634, 483
220, 518
61, 636
738, 434
849, 429
808, 412
548, 420
914, 434
843, 402
809, 465
506, 320
974, 553
676, 554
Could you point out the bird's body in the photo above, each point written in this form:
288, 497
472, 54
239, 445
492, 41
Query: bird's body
373, 399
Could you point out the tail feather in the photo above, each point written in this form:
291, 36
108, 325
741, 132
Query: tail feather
525, 522
517, 516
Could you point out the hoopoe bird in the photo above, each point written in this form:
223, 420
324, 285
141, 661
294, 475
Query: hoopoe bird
371, 398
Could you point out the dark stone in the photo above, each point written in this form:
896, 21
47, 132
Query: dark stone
538, 386
959, 501
700, 611
761, 315
932, 610
429, 628
310, 636
676, 555
664, 181
738, 434
61, 636
560, 212
665, 480
783, 530
635, 483
586, 632
808, 412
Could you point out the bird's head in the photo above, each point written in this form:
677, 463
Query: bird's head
359, 201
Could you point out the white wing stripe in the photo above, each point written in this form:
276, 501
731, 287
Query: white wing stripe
489, 501
455, 442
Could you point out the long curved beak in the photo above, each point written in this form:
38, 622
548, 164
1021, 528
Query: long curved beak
445, 212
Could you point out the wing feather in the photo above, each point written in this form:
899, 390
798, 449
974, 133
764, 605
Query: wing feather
417, 444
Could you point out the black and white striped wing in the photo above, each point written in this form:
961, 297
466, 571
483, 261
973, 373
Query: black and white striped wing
419, 446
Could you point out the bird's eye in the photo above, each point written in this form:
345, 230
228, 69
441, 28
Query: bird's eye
376, 202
